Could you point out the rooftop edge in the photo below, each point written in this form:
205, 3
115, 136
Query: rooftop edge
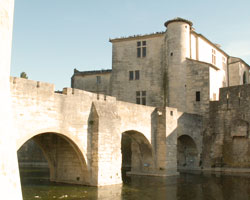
178, 19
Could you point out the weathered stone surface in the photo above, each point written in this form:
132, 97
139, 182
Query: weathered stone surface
228, 136
80, 133
9, 173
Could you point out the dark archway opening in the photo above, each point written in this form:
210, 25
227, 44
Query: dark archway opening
33, 166
52, 157
187, 153
137, 156
126, 156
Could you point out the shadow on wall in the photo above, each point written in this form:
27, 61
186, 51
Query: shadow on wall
187, 153
66, 163
189, 141
137, 155
30, 155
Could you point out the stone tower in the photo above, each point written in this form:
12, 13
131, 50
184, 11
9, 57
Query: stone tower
9, 173
177, 50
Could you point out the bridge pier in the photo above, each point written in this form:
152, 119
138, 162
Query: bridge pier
104, 144
165, 140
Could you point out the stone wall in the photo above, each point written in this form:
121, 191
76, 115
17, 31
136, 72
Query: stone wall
92, 81
228, 133
9, 173
93, 125
237, 68
151, 69
197, 81
37, 109
30, 154
190, 140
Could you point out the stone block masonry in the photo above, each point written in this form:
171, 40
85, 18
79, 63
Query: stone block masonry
228, 136
86, 129
9, 173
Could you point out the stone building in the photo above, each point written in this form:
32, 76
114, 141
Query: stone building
92, 81
177, 68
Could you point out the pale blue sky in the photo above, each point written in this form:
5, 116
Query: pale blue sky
52, 37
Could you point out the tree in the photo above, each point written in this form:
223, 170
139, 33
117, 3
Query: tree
23, 75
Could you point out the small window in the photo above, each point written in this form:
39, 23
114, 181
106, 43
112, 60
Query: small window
141, 49
138, 101
138, 52
144, 51
138, 97
143, 99
137, 75
98, 79
244, 78
131, 75
198, 96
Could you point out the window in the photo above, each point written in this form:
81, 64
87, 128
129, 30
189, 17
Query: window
131, 75
134, 75
213, 57
244, 78
141, 97
137, 75
144, 51
138, 52
138, 97
141, 49
98, 79
198, 96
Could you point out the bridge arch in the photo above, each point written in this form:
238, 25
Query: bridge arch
137, 153
187, 152
66, 161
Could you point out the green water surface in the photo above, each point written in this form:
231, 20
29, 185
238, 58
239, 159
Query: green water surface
35, 185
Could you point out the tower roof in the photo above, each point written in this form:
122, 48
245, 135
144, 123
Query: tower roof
178, 19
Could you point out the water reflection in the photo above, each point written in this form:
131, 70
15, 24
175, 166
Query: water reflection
35, 185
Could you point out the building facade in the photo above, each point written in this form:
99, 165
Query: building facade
177, 68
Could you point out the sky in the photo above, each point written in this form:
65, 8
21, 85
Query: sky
52, 37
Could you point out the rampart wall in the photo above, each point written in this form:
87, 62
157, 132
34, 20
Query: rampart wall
228, 134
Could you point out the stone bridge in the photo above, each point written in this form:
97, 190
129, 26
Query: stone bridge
86, 138
84, 135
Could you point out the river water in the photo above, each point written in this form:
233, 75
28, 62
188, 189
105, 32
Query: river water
35, 185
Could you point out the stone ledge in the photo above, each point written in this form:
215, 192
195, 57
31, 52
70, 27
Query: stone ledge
152, 174
227, 170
